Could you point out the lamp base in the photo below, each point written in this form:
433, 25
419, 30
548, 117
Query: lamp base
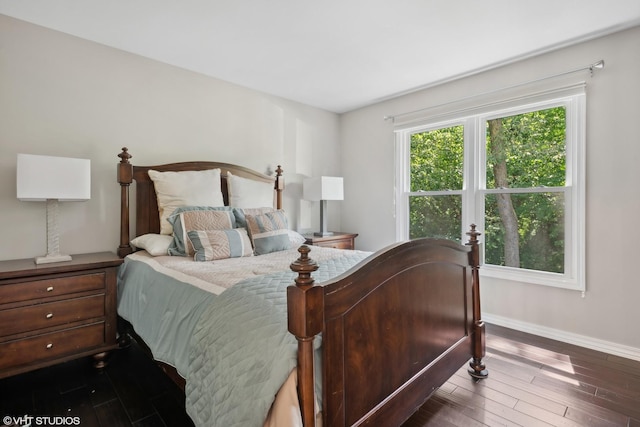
52, 258
53, 245
323, 233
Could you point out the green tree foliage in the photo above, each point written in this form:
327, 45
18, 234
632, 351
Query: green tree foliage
437, 159
436, 165
534, 150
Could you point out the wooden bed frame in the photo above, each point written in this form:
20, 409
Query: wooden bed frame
393, 330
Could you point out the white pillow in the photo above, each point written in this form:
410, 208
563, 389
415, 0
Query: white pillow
186, 188
155, 244
247, 193
296, 239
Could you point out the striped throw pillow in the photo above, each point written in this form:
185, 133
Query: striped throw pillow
211, 245
197, 218
269, 232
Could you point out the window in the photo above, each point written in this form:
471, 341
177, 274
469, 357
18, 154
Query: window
516, 170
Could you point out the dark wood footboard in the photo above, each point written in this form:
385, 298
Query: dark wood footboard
393, 330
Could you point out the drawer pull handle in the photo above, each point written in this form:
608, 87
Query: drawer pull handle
50, 288
49, 315
50, 345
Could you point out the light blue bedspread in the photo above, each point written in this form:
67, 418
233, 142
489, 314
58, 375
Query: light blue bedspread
240, 351
163, 311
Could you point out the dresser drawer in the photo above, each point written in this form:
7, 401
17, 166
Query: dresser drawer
337, 240
29, 318
337, 244
50, 346
30, 290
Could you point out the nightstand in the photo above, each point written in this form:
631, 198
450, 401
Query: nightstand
338, 240
52, 313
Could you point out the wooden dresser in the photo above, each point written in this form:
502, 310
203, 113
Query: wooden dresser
338, 240
51, 313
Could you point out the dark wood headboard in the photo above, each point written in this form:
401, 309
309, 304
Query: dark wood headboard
147, 218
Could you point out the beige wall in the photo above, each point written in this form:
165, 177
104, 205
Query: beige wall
608, 312
63, 96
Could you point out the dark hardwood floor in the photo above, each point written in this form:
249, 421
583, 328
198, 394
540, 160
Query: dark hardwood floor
131, 391
533, 381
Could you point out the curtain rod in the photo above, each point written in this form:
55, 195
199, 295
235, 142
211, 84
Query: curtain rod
598, 65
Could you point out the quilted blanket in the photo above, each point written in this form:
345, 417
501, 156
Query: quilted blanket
241, 351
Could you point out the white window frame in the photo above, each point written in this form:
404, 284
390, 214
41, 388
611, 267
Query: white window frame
474, 119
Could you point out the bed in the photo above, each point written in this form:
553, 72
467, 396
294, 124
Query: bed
361, 338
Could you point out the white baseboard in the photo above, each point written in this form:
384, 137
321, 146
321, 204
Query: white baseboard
568, 337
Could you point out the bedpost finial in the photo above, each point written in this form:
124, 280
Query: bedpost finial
473, 235
475, 246
279, 186
304, 266
124, 156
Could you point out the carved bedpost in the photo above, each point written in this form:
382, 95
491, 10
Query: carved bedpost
125, 178
305, 308
279, 187
477, 369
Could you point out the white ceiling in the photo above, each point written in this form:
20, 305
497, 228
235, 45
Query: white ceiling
334, 54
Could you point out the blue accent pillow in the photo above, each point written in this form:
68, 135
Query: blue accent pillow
210, 245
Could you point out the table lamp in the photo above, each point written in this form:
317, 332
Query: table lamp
52, 179
321, 189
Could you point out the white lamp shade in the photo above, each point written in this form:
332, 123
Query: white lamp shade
45, 177
323, 188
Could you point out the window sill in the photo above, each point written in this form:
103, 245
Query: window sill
532, 277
